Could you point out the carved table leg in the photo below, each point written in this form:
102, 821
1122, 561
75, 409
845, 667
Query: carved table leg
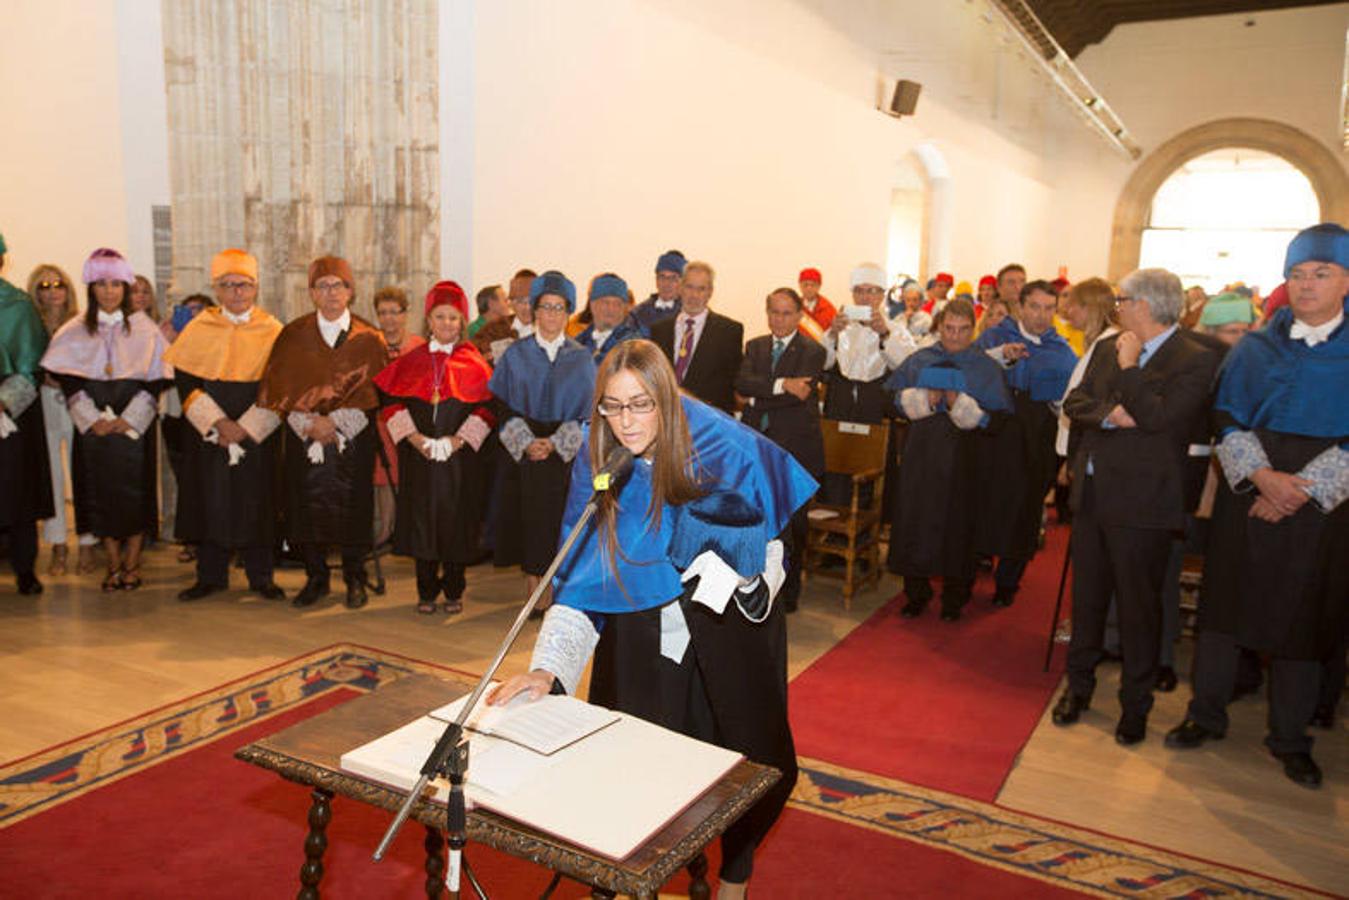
311, 873
435, 862
698, 889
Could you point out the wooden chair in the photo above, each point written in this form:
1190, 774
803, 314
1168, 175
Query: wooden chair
850, 533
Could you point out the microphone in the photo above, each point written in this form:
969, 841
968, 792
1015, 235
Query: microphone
616, 467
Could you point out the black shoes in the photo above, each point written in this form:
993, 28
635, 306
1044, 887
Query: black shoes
1300, 769
356, 597
314, 589
198, 590
1004, 597
269, 591
1166, 679
1131, 730
1069, 708
1190, 734
914, 608
28, 584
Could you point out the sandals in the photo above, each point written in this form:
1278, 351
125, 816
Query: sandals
187, 554
113, 582
453, 607
131, 579
60, 559
86, 561
426, 607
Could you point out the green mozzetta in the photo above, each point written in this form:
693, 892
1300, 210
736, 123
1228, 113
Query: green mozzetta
25, 338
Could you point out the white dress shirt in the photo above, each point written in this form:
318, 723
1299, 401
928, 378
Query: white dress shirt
330, 330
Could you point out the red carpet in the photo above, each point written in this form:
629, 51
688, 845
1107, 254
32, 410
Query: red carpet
947, 705
203, 825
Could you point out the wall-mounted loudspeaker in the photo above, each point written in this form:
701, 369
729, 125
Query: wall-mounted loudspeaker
905, 100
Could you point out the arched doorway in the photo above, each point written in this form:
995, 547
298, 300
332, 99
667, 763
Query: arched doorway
1133, 211
918, 241
1226, 216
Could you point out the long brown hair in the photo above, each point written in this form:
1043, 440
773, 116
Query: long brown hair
91, 308
1097, 297
674, 477
43, 273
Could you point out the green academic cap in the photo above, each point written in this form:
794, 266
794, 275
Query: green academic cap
1225, 309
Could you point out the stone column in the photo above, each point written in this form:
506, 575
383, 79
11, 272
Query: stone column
299, 128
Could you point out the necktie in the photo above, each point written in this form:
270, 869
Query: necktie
685, 350
779, 346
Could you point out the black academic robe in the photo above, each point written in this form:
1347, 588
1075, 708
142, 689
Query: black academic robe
1016, 467
232, 506
439, 503
332, 502
1280, 588
113, 478
847, 400
932, 509
25, 479
529, 540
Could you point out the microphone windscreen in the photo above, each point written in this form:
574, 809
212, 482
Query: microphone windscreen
616, 465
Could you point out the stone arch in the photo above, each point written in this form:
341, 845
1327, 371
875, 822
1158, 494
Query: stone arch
1322, 168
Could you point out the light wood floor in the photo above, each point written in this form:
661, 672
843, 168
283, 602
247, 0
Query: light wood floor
75, 660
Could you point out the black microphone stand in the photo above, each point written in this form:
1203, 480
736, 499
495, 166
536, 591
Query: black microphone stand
449, 757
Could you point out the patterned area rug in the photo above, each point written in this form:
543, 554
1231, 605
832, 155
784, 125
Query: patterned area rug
1055, 854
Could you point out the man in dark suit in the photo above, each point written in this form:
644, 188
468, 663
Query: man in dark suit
777, 378
705, 348
1137, 406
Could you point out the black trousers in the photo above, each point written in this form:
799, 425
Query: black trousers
353, 560
22, 547
1131, 564
213, 564
434, 576
1007, 575
1293, 691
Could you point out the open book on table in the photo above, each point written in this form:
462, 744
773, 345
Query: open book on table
608, 790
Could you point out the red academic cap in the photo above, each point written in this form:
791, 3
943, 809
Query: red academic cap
988, 280
447, 292
810, 275
946, 277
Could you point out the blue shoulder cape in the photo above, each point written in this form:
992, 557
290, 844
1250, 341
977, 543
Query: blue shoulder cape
530, 385
728, 456
627, 330
970, 371
1045, 372
1272, 382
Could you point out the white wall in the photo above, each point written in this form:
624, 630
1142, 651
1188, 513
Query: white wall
608, 131
1163, 78
84, 153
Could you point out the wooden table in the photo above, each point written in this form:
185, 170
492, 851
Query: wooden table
309, 754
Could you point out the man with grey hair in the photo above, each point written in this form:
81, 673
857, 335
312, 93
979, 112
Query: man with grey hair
1275, 578
1136, 407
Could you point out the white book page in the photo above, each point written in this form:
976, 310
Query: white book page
545, 725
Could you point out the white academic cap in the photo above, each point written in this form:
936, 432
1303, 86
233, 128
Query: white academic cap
868, 273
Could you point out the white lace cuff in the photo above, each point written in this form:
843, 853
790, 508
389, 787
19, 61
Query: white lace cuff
7, 426
202, 411
83, 413
515, 437
915, 403
299, 423
566, 640
17, 393
1329, 475
966, 413
567, 440
259, 423
140, 412
400, 425
349, 422
474, 431
1241, 455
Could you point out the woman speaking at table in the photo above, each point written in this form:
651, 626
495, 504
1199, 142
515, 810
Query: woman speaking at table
671, 586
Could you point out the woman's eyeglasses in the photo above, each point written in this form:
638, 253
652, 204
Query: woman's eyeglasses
638, 406
50, 285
